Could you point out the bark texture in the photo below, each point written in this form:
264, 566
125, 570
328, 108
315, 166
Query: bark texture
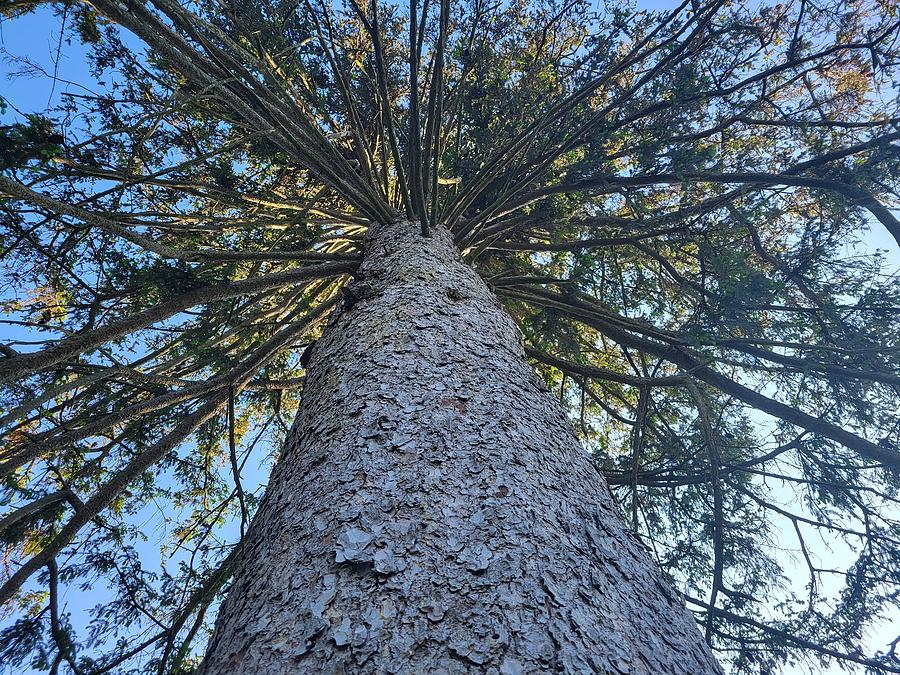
433, 510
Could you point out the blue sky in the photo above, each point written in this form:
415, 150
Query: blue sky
36, 37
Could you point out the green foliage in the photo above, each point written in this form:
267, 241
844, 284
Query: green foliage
638, 189
35, 140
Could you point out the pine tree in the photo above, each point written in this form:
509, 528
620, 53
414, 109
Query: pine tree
549, 318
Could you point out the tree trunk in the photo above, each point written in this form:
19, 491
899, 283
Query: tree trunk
433, 510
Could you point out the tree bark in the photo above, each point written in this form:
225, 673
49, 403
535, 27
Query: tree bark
433, 510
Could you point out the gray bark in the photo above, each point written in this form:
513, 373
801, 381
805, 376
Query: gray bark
433, 510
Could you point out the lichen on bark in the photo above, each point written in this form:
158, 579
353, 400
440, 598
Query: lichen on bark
433, 510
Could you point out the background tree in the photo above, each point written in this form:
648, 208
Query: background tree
672, 206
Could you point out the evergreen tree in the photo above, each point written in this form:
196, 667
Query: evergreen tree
326, 237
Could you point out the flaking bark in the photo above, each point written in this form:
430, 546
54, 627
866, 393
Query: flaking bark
433, 510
